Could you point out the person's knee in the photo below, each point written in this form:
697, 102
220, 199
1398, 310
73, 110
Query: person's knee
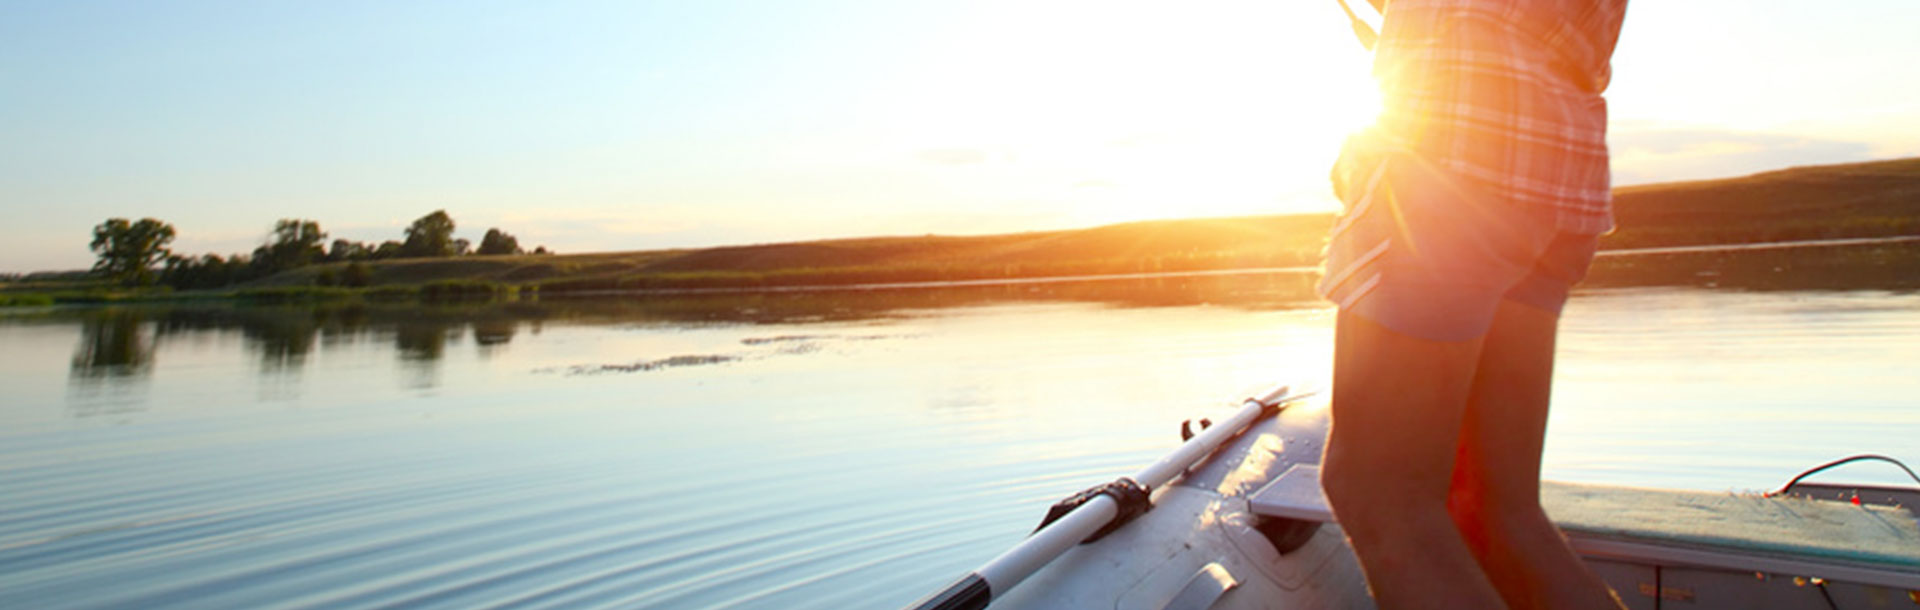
1482, 496
1490, 520
1467, 505
1361, 488
1354, 497
1337, 478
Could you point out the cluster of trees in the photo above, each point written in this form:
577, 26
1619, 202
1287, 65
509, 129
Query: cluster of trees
130, 251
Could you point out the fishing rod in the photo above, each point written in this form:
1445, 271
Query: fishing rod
1090, 514
1360, 28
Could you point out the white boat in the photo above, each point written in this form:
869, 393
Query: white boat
1235, 519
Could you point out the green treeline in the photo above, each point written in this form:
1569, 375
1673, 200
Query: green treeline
136, 254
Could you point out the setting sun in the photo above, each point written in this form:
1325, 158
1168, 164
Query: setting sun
607, 126
1125, 112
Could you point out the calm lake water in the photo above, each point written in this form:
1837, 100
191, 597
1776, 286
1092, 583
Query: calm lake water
831, 450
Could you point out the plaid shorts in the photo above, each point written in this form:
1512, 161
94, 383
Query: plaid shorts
1402, 257
1504, 94
1485, 178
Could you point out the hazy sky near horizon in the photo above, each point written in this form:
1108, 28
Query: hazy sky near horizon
618, 125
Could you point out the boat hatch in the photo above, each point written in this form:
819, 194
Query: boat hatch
1295, 494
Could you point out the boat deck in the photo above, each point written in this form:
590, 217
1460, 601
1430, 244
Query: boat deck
1788, 535
1787, 526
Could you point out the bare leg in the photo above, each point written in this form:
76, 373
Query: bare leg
1398, 403
1496, 482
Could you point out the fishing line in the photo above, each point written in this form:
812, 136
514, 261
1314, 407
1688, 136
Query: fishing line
1360, 28
1845, 460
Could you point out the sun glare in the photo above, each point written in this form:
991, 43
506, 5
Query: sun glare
1110, 113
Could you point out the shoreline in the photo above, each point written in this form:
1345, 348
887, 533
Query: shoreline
1683, 265
1807, 226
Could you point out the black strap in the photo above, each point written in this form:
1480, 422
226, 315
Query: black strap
970, 593
1128, 493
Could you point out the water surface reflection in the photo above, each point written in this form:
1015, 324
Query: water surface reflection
120, 342
114, 343
790, 450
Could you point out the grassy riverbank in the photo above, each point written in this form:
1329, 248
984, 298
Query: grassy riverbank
1876, 199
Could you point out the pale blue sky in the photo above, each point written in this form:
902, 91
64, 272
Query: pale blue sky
609, 125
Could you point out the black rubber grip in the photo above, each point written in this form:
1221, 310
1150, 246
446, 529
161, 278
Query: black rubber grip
970, 593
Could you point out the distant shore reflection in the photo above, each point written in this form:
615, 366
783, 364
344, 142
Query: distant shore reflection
117, 344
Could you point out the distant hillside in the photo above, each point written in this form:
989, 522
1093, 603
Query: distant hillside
1169, 245
1853, 200
1874, 199
1140, 246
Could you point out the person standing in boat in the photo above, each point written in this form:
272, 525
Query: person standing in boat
1472, 206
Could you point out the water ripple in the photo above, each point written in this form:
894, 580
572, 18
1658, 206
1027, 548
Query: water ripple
862, 475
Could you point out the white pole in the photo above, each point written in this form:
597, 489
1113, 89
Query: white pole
1002, 573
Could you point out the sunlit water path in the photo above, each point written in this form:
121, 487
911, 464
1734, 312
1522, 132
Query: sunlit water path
853, 450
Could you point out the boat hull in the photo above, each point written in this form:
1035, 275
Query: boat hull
1214, 539
1201, 540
